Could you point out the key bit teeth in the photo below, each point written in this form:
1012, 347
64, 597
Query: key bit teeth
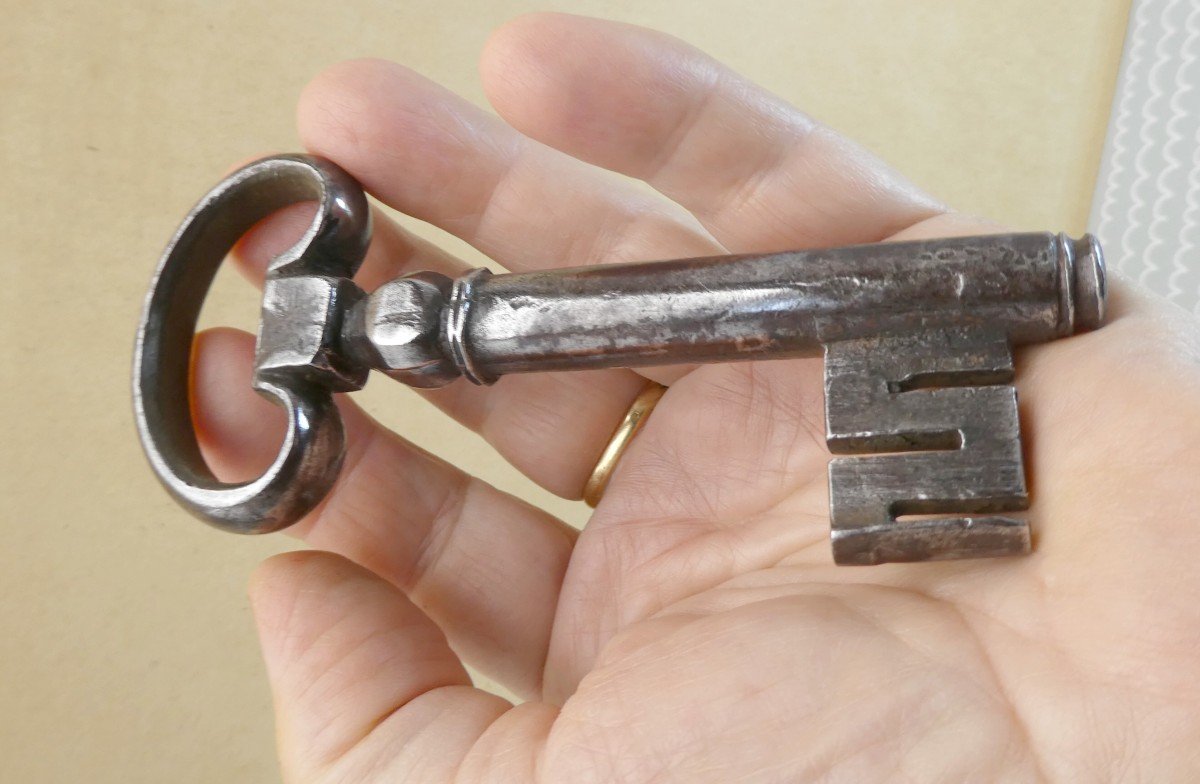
937, 539
915, 394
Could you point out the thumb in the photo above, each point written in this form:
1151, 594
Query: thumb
365, 685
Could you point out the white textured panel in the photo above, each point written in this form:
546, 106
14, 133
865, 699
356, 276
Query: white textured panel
1146, 209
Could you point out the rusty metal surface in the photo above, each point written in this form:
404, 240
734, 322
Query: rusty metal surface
917, 338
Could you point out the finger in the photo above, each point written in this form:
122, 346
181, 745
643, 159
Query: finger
758, 173
437, 157
550, 426
484, 565
392, 252
364, 684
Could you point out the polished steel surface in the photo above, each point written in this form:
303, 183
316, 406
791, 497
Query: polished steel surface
917, 338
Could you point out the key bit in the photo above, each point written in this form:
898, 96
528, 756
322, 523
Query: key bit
946, 390
917, 339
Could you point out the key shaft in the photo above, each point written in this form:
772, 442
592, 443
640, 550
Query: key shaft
1032, 287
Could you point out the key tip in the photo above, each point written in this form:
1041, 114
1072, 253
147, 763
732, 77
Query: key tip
1089, 289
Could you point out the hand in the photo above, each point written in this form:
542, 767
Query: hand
696, 630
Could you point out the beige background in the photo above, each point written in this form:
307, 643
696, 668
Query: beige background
126, 646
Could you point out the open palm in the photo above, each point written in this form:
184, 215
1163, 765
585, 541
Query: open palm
696, 629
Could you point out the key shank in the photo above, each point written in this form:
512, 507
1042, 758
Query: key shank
428, 330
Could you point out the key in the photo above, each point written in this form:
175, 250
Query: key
917, 339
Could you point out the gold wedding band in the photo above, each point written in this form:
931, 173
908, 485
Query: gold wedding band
635, 417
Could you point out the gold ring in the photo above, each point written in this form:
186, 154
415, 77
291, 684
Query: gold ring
635, 417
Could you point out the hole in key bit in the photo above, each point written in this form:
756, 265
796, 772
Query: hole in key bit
945, 379
914, 509
884, 443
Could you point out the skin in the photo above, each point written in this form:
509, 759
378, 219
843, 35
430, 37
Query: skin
696, 629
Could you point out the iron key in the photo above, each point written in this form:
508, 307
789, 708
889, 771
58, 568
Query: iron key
917, 339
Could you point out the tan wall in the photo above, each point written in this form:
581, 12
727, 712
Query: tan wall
126, 646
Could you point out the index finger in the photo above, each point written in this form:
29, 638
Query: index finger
759, 174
